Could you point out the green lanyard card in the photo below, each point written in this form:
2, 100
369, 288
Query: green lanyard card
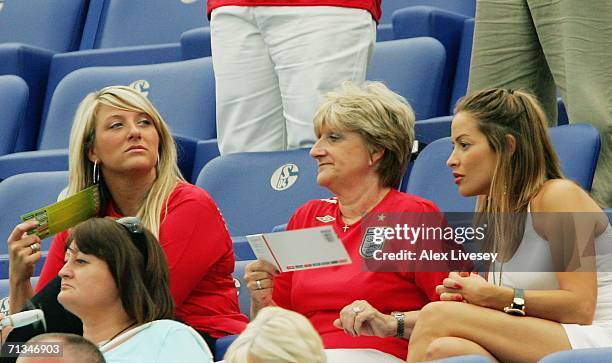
66, 213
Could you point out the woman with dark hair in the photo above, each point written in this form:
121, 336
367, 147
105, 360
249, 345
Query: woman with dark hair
551, 289
115, 279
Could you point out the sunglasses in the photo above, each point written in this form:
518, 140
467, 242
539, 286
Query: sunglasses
134, 227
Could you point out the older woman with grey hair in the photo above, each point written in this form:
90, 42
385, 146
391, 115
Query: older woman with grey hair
365, 133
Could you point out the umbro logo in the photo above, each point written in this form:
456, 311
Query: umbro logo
326, 219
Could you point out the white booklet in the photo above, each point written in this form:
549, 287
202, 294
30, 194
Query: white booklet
300, 249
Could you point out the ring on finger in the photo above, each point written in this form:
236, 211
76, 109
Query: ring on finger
258, 283
356, 309
35, 247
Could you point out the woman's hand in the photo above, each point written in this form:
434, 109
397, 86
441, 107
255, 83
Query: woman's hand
259, 280
468, 287
360, 318
5, 331
24, 251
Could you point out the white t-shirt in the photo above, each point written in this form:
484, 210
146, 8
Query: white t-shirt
162, 341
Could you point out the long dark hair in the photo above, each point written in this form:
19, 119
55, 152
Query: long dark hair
142, 281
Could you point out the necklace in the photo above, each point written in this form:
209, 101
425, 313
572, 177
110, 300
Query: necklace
346, 226
501, 268
116, 335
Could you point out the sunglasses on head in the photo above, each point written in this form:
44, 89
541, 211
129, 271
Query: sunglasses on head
134, 227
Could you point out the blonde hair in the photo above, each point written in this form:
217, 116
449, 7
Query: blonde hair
518, 174
384, 119
277, 336
82, 138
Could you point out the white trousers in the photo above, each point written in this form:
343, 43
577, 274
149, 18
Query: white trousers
274, 64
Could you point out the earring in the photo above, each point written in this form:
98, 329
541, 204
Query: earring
96, 173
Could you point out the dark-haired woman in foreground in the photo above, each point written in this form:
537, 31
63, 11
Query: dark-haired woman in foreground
115, 279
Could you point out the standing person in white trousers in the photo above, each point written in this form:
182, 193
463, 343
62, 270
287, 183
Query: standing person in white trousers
273, 64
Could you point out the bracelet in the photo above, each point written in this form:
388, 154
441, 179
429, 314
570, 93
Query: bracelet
399, 316
517, 306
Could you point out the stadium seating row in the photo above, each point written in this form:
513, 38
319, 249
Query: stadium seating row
183, 92
42, 49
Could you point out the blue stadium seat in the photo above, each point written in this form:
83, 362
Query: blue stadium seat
445, 26
30, 32
21, 194
464, 359
13, 102
128, 32
579, 161
432, 129
4, 288
462, 72
384, 30
64, 63
221, 346
463, 7
54, 25
596, 355
430, 178
244, 299
206, 150
183, 92
195, 43
435, 128
123, 23
412, 68
259, 190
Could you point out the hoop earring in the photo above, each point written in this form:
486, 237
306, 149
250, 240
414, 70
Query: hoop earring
96, 173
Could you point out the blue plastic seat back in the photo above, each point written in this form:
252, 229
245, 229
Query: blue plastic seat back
593, 355
24, 193
259, 190
431, 179
55, 25
13, 101
577, 146
462, 72
446, 27
463, 7
412, 68
183, 92
121, 23
4, 291
244, 297
472, 358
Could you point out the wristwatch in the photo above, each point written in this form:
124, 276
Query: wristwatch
517, 307
399, 316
